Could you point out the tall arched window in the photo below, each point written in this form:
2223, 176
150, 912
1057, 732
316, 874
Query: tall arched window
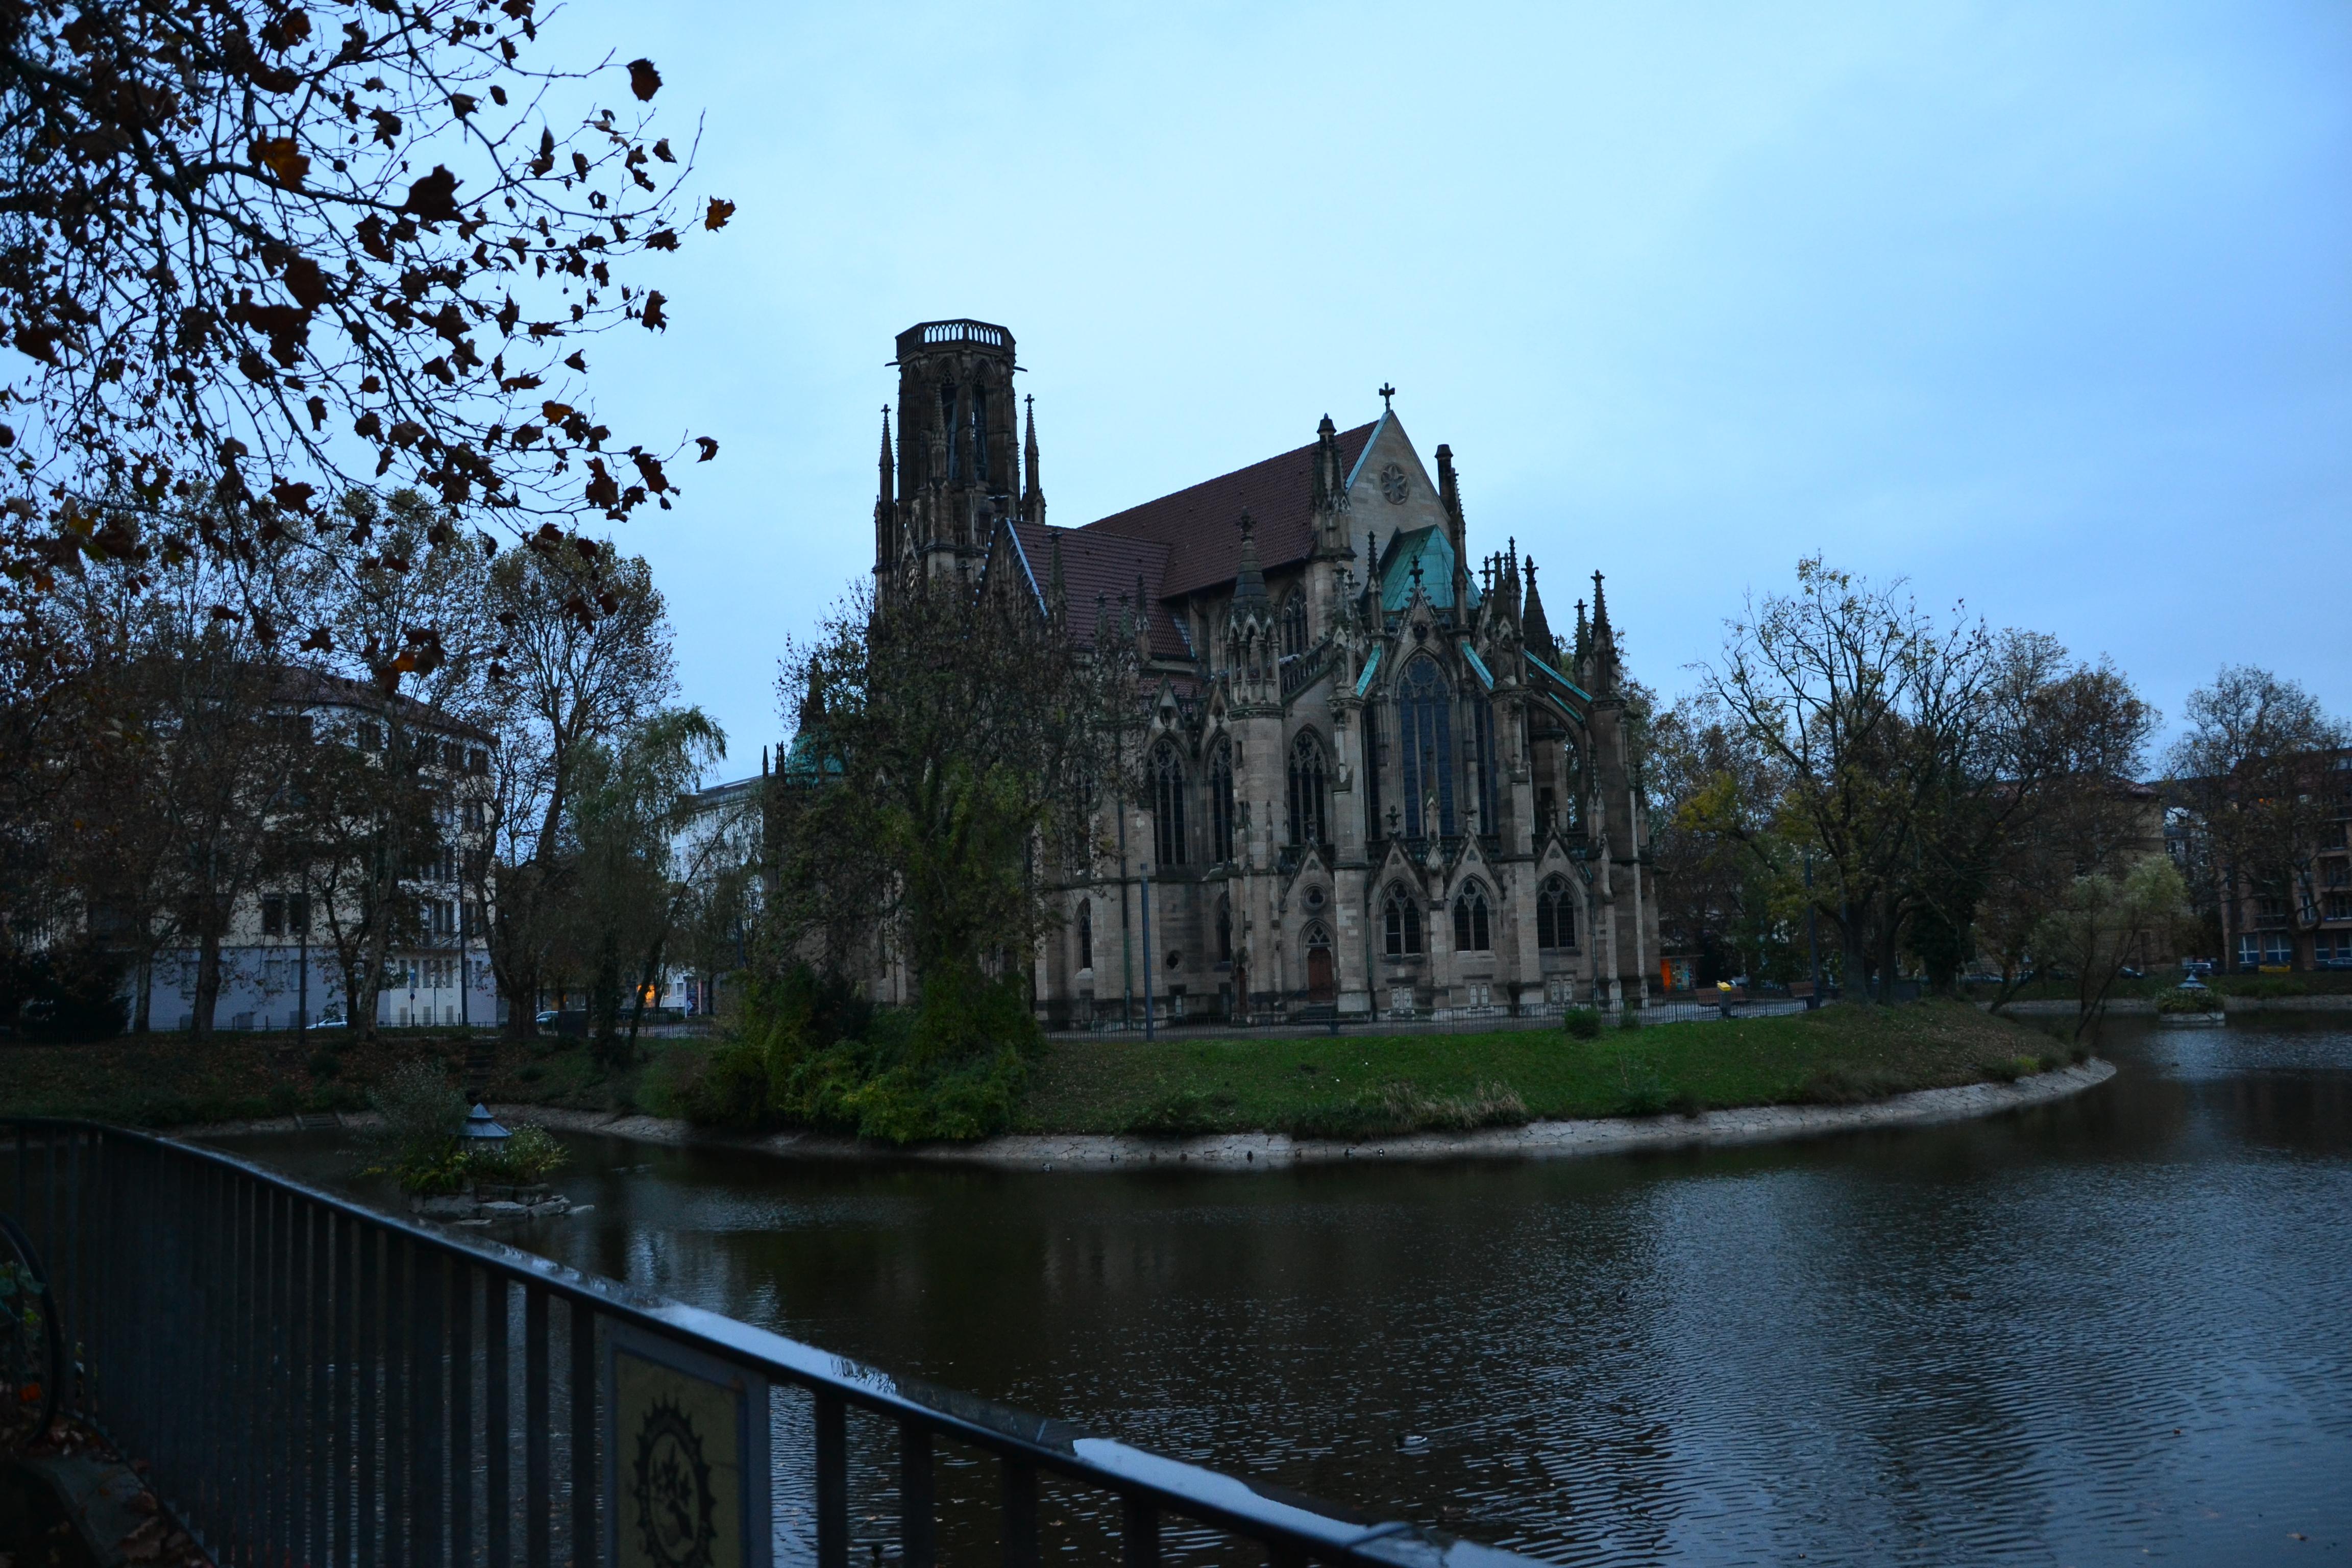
1224, 928
1555, 914
947, 422
979, 434
1471, 934
1310, 823
1423, 712
1167, 804
1400, 923
1294, 623
1482, 716
1220, 800
1086, 933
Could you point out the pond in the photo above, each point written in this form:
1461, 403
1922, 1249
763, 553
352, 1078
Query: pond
2115, 1328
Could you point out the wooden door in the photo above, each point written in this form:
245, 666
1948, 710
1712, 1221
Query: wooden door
1319, 987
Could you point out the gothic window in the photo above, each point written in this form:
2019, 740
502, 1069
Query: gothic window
1221, 801
1423, 715
1086, 933
1167, 804
1545, 807
1470, 926
1225, 929
1374, 758
1482, 713
1294, 623
1555, 914
1309, 822
1400, 923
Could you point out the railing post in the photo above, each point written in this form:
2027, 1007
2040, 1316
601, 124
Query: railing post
1139, 1535
496, 1518
586, 1550
1020, 1523
832, 1483
538, 1482
918, 1505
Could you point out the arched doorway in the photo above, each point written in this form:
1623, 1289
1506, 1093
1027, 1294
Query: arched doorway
1321, 984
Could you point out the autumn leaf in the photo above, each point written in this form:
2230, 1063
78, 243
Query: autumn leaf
644, 81
720, 211
434, 198
661, 151
710, 448
279, 156
654, 320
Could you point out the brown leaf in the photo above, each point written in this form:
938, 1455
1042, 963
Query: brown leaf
434, 198
710, 448
644, 81
653, 318
281, 157
661, 151
318, 641
720, 211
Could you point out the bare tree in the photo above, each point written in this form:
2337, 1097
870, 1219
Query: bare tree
2254, 774
253, 251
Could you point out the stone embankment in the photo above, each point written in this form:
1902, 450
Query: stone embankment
1269, 1151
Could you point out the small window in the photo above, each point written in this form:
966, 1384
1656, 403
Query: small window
1555, 915
1086, 933
1294, 623
273, 915
1401, 923
1470, 931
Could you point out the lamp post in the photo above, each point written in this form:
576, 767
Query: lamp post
1813, 935
1146, 950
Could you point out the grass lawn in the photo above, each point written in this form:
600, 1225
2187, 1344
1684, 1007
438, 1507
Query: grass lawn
170, 1080
1343, 1086
1360, 1085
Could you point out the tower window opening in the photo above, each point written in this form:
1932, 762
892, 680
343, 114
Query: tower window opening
1220, 800
1555, 914
1309, 819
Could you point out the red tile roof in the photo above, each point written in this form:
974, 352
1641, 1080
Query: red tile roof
1200, 525
1104, 564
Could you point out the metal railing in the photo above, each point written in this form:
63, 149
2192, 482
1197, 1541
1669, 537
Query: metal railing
314, 1383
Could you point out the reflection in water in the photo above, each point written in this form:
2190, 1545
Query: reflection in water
2111, 1328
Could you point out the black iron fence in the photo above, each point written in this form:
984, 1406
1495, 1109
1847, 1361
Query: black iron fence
314, 1382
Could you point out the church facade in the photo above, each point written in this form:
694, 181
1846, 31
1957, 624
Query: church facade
1373, 780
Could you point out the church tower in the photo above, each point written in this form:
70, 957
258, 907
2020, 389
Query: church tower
958, 468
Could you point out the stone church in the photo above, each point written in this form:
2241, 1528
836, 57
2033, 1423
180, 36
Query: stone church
1374, 780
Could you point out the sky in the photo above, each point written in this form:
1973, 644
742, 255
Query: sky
2046, 308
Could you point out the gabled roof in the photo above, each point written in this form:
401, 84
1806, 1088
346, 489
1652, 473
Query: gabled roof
1200, 525
1101, 563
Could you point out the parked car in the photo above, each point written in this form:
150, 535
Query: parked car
544, 1019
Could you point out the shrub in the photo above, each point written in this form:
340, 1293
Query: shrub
1646, 1095
1581, 1023
1394, 1109
1630, 1018
950, 1067
2183, 1000
2011, 1070
530, 1155
1184, 1113
422, 1113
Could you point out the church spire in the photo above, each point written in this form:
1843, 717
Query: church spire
886, 506
1583, 639
1033, 494
1604, 641
1249, 581
1535, 631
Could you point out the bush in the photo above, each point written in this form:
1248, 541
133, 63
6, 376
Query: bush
530, 1155
422, 1112
2015, 1068
1630, 1018
950, 1067
1581, 1023
2182, 1000
1395, 1109
1185, 1113
1646, 1095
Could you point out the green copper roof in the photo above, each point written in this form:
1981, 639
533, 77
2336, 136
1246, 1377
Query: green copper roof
1430, 548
